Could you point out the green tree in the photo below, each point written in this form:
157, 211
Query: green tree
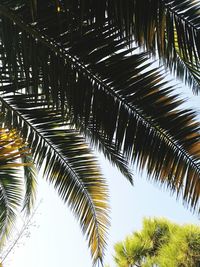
160, 243
72, 70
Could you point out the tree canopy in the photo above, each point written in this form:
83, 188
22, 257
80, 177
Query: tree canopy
160, 243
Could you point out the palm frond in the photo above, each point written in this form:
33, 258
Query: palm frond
132, 99
30, 183
91, 67
68, 164
12, 151
26, 76
170, 27
116, 158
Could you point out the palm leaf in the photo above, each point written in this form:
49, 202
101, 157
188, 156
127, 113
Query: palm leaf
68, 164
99, 68
12, 151
28, 66
30, 183
132, 99
170, 28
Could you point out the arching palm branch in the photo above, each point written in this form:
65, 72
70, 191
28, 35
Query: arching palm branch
68, 163
169, 28
14, 155
72, 62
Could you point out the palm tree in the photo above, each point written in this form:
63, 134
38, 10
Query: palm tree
14, 155
74, 69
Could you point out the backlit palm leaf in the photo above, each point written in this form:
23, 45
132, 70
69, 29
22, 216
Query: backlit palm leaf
25, 75
68, 164
30, 183
99, 68
169, 26
132, 99
12, 151
154, 25
109, 90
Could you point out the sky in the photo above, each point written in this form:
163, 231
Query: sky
55, 239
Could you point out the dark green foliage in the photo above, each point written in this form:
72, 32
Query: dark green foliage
82, 73
67, 161
74, 64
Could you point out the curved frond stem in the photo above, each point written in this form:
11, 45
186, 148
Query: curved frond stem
53, 46
52, 147
127, 97
80, 170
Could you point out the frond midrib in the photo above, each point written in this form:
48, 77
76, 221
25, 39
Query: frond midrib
46, 140
53, 46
